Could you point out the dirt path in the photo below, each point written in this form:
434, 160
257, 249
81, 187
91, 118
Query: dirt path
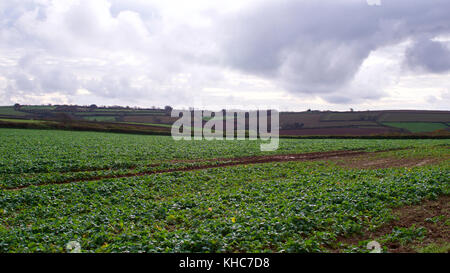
237, 160
352, 158
216, 163
370, 161
419, 215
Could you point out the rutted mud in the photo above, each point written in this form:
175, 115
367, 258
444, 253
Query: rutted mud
348, 158
216, 163
370, 161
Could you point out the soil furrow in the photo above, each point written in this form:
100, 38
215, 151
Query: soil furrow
221, 163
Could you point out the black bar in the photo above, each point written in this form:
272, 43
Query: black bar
223, 262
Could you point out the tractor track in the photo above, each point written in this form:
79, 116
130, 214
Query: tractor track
219, 163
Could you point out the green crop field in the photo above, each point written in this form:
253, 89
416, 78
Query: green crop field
21, 120
150, 124
417, 127
117, 192
37, 107
100, 118
9, 111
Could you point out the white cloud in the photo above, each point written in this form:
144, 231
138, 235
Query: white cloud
297, 54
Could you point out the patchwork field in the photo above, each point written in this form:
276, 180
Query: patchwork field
117, 192
9, 111
309, 123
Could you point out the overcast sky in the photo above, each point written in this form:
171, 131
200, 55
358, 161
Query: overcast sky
294, 55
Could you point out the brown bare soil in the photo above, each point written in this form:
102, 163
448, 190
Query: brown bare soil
407, 216
319, 120
242, 160
218, 163
280, 158
370, 161
341, 131
350, 158
423, 116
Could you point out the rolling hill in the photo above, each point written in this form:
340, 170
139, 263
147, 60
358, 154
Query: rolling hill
159, 121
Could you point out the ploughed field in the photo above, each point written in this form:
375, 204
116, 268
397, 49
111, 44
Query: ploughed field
134, 193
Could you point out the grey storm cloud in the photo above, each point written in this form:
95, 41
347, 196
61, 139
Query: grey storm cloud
428, 55
128, 49
318, 46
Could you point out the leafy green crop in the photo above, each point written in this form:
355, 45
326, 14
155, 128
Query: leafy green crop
272, 207
38, 151
293, 207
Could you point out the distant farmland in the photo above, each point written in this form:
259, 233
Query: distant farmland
363, 123
309, 123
